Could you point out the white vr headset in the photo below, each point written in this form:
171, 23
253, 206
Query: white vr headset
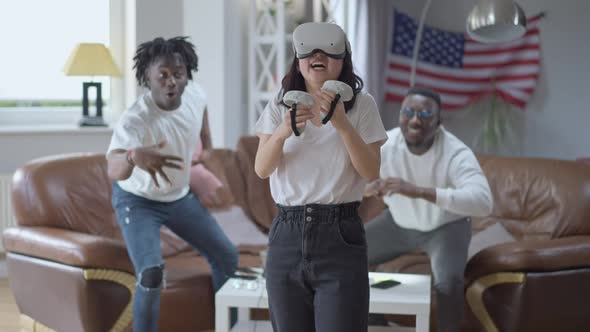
326, 37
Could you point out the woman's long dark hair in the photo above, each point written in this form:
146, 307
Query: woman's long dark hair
295, 81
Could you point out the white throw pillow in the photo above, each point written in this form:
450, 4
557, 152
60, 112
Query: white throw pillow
491, 236
238, 227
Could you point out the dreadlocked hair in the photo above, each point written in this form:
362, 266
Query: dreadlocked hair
148, 52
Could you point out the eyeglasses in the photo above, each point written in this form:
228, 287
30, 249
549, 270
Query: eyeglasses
422, 115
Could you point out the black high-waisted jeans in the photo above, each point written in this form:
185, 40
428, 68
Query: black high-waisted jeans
316, 269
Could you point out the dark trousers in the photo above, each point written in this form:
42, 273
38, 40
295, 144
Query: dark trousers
316, 269
447, 248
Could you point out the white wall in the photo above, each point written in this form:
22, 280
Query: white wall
214, 27
19, 146
556, 121
156, 18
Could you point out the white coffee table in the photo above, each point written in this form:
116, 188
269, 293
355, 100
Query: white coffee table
412, 297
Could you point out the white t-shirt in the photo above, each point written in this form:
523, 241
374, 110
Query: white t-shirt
449, 166
145, 124
315, 168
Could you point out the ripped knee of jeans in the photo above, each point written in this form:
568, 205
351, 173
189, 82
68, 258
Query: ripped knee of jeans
152, 277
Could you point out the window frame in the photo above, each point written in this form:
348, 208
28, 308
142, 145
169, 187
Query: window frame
122, 22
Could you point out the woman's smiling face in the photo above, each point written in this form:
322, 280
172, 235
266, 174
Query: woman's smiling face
319, 68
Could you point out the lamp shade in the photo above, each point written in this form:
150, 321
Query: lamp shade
91, 59
496, 21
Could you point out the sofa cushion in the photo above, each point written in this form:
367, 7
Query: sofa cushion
416, 262
239, 228
228, 171
212, 193
260, 205
70, 191
532, 202
187, 269
212, 189
491, 236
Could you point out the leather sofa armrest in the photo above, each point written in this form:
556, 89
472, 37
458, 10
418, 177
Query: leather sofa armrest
68, 247
531, 256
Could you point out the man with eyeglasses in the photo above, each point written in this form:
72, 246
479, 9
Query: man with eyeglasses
432, 184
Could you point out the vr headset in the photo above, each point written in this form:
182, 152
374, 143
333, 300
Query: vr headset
326, 37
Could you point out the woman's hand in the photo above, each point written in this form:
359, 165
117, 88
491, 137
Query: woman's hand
395, 185
323, 100
152, 161
374, 188
284, 130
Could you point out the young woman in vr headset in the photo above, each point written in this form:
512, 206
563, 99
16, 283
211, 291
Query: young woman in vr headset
316, 267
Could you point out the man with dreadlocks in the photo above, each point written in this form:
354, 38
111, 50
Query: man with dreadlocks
149, 160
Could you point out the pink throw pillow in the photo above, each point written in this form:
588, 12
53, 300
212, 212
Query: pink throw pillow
202, 181
211, 191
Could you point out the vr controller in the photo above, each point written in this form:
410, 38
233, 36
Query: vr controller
292, 98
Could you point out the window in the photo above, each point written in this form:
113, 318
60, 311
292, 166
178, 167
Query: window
35, 52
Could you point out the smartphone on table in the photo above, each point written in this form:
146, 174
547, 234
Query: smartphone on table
385, 284
246, 274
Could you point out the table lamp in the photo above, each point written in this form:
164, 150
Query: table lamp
91, 59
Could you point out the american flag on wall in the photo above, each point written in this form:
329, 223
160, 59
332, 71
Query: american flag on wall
461, 69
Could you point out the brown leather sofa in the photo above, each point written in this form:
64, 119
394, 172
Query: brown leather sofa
69, 270
68, 267
540, 282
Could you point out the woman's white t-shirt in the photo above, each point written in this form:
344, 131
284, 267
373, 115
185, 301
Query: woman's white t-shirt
145, 124
315, 168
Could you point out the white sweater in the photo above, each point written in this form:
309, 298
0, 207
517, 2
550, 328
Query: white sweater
450, 167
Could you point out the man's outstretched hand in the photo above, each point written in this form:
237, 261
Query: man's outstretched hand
151, 160
390, 186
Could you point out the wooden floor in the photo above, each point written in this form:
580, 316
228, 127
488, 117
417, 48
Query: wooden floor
9, 321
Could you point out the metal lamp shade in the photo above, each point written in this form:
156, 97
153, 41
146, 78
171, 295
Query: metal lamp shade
496, 21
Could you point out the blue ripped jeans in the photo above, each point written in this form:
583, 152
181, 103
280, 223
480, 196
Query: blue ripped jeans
140, 220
